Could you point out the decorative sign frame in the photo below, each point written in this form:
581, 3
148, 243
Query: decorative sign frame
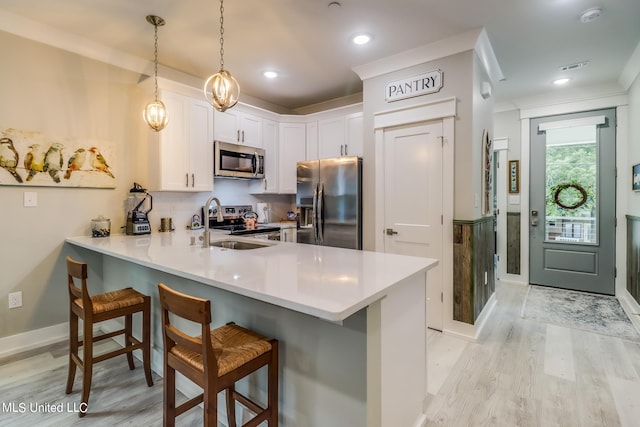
422, 84
487, 172
514, 176
635, 173
34, 159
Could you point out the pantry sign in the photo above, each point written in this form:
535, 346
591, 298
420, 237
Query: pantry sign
422, 84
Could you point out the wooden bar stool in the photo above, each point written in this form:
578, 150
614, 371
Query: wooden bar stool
215, 361
97, 308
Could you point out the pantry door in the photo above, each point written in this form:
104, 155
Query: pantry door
572, 201
413, 202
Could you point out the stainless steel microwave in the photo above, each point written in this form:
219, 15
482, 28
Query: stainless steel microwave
238, 161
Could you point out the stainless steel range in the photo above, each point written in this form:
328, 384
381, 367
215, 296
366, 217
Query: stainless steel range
234, 222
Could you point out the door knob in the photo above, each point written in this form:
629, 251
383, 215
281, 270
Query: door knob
391, 232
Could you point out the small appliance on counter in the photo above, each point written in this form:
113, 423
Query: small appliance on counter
139, 204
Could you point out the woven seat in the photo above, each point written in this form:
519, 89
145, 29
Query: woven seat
215, 360
98, 308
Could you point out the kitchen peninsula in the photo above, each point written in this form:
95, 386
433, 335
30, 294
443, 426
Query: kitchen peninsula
352, 324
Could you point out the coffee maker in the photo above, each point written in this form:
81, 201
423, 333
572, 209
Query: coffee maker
139, 204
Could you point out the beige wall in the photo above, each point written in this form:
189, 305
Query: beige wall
462, 76
64, 95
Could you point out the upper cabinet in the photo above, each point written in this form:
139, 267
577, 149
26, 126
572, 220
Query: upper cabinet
270, 144
291, 151
238, 126
181, 155
334, 134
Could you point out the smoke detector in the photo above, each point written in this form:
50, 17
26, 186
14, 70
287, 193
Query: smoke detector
590, 15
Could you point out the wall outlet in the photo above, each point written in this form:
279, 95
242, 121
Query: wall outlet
15, 299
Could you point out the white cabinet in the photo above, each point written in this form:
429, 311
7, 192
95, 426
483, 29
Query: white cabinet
335, 137
270, 144
288, 233
181, 155
238, 126
312, 140
292, 149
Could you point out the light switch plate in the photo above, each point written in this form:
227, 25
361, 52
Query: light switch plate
514, 200
30, 199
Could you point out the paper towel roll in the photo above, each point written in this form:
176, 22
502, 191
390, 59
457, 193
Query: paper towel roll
263, 210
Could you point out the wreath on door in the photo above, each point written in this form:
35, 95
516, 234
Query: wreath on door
559, 200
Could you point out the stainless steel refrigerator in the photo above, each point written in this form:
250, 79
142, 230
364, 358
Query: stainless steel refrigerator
329, 199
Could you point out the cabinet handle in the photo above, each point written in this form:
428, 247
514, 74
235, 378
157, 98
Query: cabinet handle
238, 136
345, 150
242, 136
186, 176
193, 180
341, 150
265, 184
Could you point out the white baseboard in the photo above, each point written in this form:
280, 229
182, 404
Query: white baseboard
25, 341
631, 307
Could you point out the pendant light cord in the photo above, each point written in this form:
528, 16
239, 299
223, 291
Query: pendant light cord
221, 34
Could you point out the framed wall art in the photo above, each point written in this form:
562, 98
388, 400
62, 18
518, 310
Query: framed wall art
636, 177
514, 176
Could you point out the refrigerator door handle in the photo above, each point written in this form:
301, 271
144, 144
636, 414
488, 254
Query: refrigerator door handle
314, 216
321, 214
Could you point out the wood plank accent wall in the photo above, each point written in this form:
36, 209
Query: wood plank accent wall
633, 256
513, 242
473, 250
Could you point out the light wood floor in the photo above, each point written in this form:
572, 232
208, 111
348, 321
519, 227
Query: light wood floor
520, 373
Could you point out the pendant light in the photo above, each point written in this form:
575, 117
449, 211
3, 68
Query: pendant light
155, 113
222, 89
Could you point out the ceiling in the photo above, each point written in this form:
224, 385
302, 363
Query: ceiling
308, 43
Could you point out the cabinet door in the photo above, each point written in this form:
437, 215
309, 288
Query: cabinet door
292, 150
312, 141
331, 137
250, 128
200, 146
354, 134
173, 169
270, 144
225, 126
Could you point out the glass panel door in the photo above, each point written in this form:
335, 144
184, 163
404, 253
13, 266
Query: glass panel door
571, 185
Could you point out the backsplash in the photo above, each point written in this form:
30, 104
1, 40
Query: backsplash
182, 206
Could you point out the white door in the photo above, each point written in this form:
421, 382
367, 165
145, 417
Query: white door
413, 201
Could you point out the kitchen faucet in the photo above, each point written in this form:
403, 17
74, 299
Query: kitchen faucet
206, 242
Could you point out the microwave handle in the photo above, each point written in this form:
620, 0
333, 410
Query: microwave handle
254, 163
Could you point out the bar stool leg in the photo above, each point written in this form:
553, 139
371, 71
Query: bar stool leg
73, 350
210, 408
146, 339
169, 391
231, 407
87, 364
272, 399
128, 328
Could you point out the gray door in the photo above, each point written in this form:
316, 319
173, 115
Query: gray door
572, 201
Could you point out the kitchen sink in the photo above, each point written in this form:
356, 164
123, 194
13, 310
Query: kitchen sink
238, 244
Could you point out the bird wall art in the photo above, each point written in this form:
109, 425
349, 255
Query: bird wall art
35, 159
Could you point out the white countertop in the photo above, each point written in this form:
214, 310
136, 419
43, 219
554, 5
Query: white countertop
326, 282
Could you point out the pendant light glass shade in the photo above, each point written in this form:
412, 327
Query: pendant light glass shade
222, 89
155, 113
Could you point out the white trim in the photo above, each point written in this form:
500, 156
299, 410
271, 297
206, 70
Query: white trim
525, 159
623, 165
438, 109
631, 308
482, 319
574, 106
500, 144
25, 341
561, 124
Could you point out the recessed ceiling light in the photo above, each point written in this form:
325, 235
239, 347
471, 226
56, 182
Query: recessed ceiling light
270, 74
562, 81
590, 15
361, 39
